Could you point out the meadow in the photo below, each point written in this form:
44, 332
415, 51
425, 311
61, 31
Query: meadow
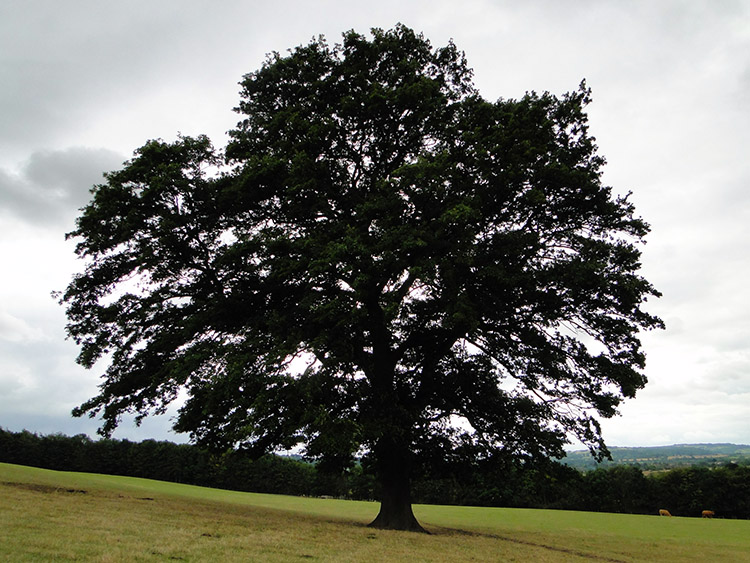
61, 516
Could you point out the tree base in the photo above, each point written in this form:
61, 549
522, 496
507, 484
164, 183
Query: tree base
402, 520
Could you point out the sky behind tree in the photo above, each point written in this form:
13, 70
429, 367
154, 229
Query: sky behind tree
87, 82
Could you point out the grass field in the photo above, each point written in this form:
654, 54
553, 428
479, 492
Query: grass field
59, 516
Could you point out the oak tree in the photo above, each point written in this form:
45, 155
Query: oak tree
380, 262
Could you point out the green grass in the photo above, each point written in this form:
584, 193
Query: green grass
59, 516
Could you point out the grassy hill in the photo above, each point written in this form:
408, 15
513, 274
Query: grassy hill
60, 516
665, 457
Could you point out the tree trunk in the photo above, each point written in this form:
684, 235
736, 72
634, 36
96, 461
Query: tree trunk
395, 503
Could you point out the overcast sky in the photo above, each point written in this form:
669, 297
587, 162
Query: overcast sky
84, 83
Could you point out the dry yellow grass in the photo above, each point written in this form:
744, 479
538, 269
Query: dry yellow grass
47, 524
47, 516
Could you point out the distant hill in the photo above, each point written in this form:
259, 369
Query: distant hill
665, 457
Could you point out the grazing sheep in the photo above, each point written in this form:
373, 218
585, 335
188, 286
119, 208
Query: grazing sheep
663, 512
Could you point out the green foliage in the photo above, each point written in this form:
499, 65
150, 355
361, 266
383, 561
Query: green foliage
378, 254
619, 489
690, 490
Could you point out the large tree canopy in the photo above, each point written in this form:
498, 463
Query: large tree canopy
380, 262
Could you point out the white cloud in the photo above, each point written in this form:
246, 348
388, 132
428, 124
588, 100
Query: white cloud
13, 329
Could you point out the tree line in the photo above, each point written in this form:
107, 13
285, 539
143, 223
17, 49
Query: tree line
684, 491
162, 460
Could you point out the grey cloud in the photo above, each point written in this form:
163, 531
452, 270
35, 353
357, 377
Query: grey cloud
14, 329
62, 61
40, 385
66, 67
53, 185
152, 428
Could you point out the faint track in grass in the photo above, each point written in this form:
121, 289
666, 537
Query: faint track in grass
42, 488
556, 549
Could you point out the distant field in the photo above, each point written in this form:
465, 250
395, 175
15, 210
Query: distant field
59, 516
665, 457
